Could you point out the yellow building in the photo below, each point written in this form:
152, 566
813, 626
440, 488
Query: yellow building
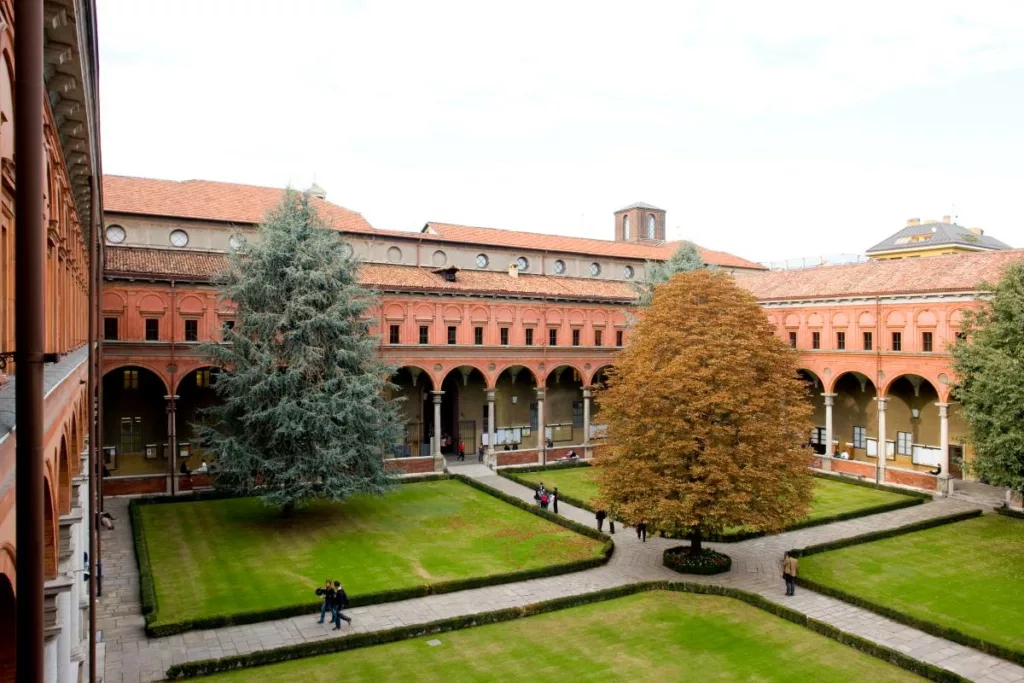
934, 238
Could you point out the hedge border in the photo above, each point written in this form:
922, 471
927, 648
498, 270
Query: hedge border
912, 498
929, 627
331, 646
1007, 512
671, 558
150, 605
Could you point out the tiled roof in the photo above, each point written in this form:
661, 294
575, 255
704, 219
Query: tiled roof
197, 265
578, 245
640, 205
933, 234
949, 273
209, 200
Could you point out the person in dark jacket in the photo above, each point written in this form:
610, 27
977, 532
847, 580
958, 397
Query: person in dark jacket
327, 593
340, 603
554, 500
641, 531
601, 514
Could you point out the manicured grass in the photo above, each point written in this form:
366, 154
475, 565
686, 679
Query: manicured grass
655, 636
221, 557
830, 497
968, 576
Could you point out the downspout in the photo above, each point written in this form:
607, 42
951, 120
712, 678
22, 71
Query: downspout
29, 334
94, 448
172, 431
98, 307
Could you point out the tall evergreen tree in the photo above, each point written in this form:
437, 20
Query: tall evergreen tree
304, 412
685, 258
989, 364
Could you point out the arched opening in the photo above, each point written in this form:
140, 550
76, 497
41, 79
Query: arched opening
563, 406
49, 534
651, 226
912, 424
855, 417
598, 382
463, 410
134, 422
76, 443
625, 227
8, 629
414, 386
515, 409
63, 478
815, 388
195, 393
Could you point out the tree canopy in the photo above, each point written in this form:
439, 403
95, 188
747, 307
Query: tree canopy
304, 412
989, 365
706, 416
685, 258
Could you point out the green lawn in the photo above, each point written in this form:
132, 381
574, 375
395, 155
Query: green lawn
226, 556
830, 497
659, 636
968, 576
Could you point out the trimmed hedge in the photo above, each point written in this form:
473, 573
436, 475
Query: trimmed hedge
1007, 512
951, 634
330, 646
560, 465
873, 485
150, 607
709, 562
562, 498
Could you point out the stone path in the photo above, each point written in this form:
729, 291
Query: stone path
131, 657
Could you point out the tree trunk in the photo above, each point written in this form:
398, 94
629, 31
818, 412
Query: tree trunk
288, 509
695, 541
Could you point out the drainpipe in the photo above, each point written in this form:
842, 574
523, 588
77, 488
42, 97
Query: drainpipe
98, 307
172, 431
94, 446
29, 333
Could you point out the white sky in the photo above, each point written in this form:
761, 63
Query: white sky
768, 129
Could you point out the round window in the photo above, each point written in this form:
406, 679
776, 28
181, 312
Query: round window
394, 255
559, 267
627, 272
439, 258
236, 242
179, 238
115, 234
522, 263
595, 268
482, 260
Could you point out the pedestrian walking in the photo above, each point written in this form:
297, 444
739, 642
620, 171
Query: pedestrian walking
480, 453
327, 593
340, 603
462, 451
611, 525
641, 531
554, 500
544, 501
601, 514
789, 572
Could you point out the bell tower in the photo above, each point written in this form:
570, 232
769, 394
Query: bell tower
640, 222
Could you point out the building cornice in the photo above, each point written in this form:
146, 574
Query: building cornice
873, 299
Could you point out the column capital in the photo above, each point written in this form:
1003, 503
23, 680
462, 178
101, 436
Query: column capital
540, 393
171, 397
588, 392
830, 399
943, 410
491, 394
438, 395
881, 403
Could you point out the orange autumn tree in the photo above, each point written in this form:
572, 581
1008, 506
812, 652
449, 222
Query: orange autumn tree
706, 417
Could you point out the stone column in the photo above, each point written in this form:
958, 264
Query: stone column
943, 484
830, 450
435, 443
172, 442
490, 459
587, 394
541, 443
882, 445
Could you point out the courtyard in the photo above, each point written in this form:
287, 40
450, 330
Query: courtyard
223, 557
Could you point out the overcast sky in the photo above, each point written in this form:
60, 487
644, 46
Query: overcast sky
768, 129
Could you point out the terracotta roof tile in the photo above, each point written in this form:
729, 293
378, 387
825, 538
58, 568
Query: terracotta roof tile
953, 272
209, 200
196, 265
578, 245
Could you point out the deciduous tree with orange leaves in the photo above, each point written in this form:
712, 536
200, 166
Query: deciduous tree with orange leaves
707, 418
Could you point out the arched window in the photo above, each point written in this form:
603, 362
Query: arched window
625, 227
651, 223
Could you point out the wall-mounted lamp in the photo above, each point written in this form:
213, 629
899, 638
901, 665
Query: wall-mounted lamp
515, 399
915, 413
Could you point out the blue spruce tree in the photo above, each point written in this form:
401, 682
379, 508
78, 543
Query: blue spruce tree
303, 412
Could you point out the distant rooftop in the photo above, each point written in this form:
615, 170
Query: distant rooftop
930, 234
640, 205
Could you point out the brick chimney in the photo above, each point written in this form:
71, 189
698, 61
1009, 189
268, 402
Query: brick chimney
913, 221
946, 219
513, 269
977, 231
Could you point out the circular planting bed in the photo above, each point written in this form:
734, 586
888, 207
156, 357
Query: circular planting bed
707, 561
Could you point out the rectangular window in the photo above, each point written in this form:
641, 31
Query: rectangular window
504, 336
533, 416
131, 434
577, 414
841, 341
229, 325
110, 329
792, 340
131, 379
903, 446
453, 333
191, 330
860, 437
897, 341
486, 418
618, 337
867, 341
152, 329
926, 342
597, 337
478, 335
961, 337
815, 340
203, 379
394, 334
553, 337
529, 336
575, 337
424, 334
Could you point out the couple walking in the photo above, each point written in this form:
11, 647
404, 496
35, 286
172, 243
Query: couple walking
335, 600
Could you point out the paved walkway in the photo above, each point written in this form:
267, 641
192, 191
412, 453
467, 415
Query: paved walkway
132, 657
